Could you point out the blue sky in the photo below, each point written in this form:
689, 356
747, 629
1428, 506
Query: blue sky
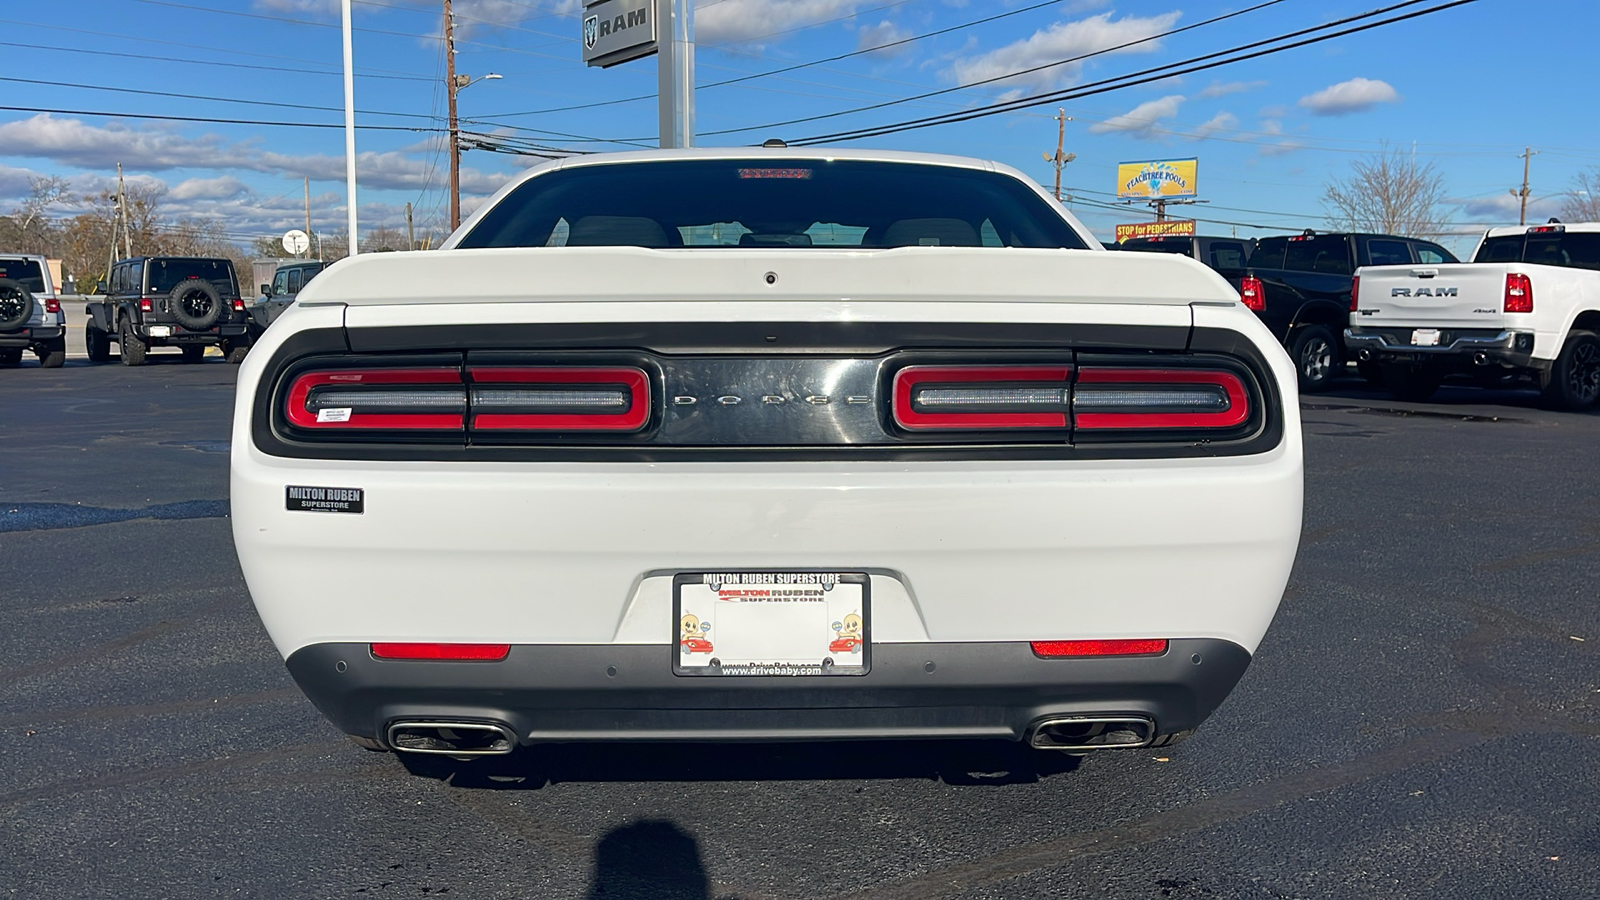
1467, 88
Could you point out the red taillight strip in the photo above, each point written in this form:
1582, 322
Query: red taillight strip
300, 392
907, 379
634, 381
488, 652
1238, 399
1133, 647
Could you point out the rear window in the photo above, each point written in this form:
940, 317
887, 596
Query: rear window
771, 203
25, 271
166, 274
1327, 254
1228, 255
1184, 246
1573, 250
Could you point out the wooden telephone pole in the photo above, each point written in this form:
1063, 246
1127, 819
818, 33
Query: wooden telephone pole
1527, 154
1060, 159
308, 217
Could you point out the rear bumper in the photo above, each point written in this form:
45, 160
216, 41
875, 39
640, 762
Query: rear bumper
28, 337
618, 692
177, 336
1459, 347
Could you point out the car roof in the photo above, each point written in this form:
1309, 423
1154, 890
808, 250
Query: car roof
1524, 229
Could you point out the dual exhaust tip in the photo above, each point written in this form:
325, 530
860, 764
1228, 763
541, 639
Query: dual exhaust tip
472, 739
1085, 733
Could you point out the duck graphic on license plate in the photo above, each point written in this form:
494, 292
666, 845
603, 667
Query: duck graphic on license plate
771, 623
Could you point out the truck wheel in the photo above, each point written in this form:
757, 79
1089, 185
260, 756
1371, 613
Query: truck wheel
97, 343
10, 358
1316, 356
16, 304
1414, 383
1574, 381
195, 303
131, 345
54, 354
235, 351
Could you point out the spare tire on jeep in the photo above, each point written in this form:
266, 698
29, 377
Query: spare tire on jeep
195, 303
16, 304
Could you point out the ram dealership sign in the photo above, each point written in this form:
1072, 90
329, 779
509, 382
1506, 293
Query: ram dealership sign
615, 31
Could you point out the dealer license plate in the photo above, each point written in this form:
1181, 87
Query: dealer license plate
771, 623
1425, 337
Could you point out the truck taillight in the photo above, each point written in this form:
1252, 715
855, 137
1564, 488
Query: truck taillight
238, 305
431, 399
559, 399
1251, 294
1519, 293
1136, 398
1355, 293
986, 398
52, 304
145, 304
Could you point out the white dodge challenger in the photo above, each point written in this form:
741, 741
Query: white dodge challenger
766, 445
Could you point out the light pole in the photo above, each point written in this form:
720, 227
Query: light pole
458, 83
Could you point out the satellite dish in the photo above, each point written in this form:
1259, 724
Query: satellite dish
296, 241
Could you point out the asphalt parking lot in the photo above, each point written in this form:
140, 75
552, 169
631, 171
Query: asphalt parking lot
1423, 719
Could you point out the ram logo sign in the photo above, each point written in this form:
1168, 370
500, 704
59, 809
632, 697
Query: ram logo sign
615, 31
1423, 292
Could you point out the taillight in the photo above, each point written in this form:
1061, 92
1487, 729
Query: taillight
559, 399
1116, 398
145, 304
1250, 293
432, 399
1135, 647
481, 652
238, 305
982, 397
1355, 293
1519, 293
52, 304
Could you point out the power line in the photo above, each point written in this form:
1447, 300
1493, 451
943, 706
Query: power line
214, 121
203, 62
238, 100
1148, 75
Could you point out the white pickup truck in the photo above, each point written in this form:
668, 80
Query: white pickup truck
1527, 308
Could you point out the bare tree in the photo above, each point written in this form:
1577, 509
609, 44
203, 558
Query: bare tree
29, 229
1389, 193
1583, 201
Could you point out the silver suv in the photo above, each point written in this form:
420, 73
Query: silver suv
30, 312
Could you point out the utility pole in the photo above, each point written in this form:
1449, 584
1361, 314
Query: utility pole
411, 234
1059, 159
1161, 209
455, 134
351, 208
1527, 154
122, 208
308, 216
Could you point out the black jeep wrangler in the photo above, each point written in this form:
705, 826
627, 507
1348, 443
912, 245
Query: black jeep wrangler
168, 301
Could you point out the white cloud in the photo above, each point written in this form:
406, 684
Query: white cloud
1278, 148
1062, 40
1141, 121
1353, 96
225, 187
872, 37
731, 21
75, 143
1221, 89
1222, 121
1506, 207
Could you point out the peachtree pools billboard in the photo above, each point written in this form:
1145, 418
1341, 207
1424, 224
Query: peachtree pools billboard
1156, 179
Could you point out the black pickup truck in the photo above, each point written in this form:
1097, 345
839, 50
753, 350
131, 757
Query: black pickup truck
168, 301
1300, 285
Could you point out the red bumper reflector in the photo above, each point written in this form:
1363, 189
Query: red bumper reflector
441, 651
981, 397
1137, 647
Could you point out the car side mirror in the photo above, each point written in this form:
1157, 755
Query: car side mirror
99, 287
266, 290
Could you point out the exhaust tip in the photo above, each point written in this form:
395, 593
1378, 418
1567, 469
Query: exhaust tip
1079, 733
1481, 358
452, 738
1364, 355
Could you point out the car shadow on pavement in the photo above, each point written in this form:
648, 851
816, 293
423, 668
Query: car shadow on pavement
973, 763
650, 858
